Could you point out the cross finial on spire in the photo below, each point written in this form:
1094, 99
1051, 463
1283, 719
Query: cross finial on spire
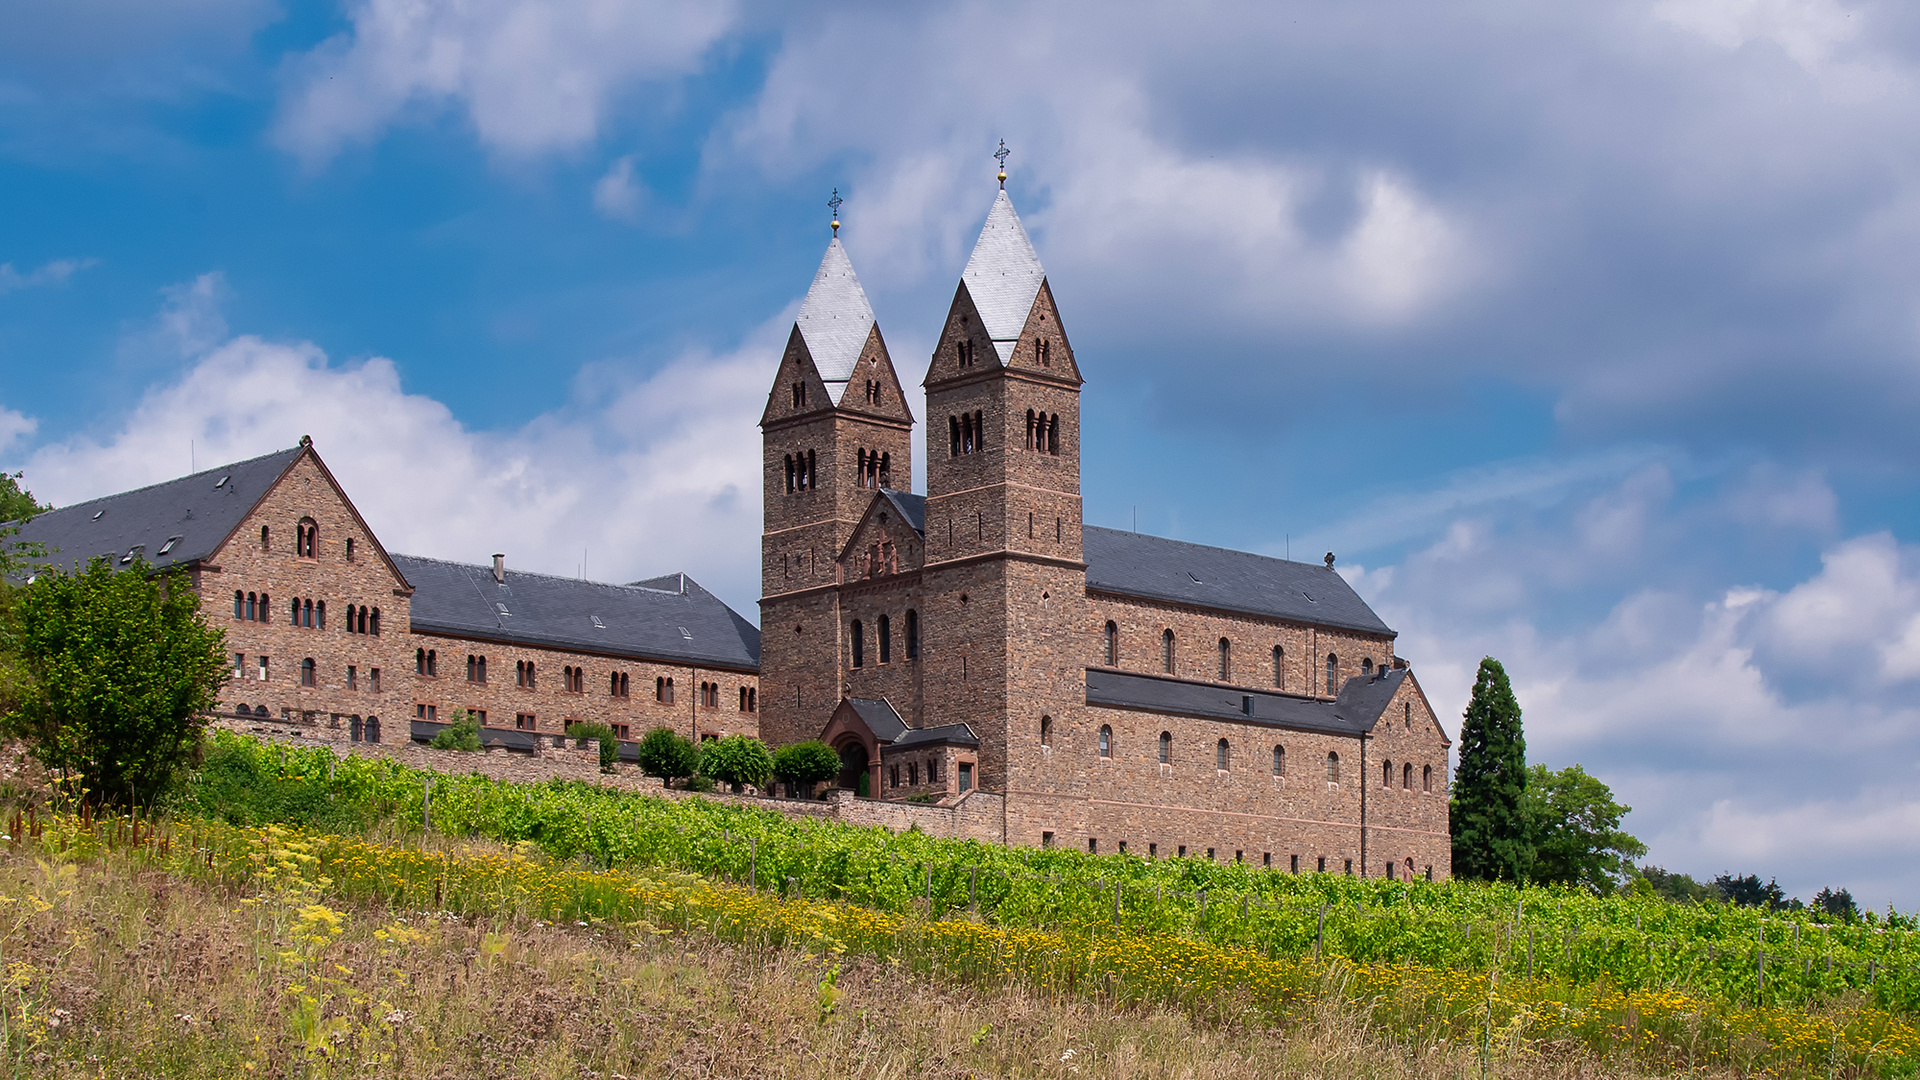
833, 204
1000, 155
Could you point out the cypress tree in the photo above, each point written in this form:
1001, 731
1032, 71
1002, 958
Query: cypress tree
1490, 836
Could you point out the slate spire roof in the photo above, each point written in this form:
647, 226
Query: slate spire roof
1003, 276
836, 319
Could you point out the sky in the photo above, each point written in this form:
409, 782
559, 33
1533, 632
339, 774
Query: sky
1586, 335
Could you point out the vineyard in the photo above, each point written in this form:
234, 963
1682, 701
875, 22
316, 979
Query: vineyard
1627, 942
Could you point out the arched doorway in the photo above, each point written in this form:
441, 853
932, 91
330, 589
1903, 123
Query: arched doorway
853, 766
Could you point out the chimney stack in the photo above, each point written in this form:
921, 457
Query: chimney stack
499, 568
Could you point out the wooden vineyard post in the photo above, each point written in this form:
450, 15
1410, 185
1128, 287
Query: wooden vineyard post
929, 888
426, 800
1320, 935
973, 888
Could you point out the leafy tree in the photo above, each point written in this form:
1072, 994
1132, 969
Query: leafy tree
463, 733
1490, 837
737, 760
609, 744
1574, 826
17, 504
806, 763
121, 673
668, 755
1836, 903
1680, 888
1747, 891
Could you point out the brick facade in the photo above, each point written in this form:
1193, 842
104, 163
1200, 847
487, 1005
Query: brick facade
1005, 629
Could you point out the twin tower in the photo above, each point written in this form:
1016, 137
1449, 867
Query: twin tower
962, 607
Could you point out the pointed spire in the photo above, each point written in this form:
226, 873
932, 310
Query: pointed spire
1003, 276
835, 319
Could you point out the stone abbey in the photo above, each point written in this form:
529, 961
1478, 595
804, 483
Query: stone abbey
978, 648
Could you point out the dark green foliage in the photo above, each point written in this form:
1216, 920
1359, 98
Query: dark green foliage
240, 781
737, 760
1838, 904
1574, 825
16, 503
1490, 840
1747, 891
668, 755
609, 745
1680, 888
462, 734
806, 763
120, 675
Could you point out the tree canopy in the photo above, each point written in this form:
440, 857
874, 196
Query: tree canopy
117, 674
806, 762
668, 755
1573, 825
736, 760
1490, 834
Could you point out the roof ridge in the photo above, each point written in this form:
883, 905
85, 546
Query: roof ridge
176, 480
1209, 547
836, 317
543, 575
1003, 275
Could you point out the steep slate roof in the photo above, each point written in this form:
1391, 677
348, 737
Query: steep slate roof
879, 716
1003, 276
912, 508
191, 508
1355, 710
1134, 564
835, 319
958, 734
667, 618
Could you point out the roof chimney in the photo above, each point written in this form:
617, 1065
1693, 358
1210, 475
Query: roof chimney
499, 568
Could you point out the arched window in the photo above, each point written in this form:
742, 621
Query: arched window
239, 603
1333, 767
1113, 644
265, 610
306, 672
320, 613
1406, 777
372, 729
1426, 778
913, 634
953, 436
433, 663
859, 644
1106, 741
375, 622
266, 544
1220, 755
1279, 760
1366, 665
305, 538
1046, 731
1166, 748
1226, 660
885, 640
1279, 668
660, 688
1053, 434
419, 661
294, 608
1333, 674
1386, 774
1166, 650
789, 474
1030, 430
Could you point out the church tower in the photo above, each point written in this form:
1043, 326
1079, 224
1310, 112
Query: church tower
1007, 640
836, 429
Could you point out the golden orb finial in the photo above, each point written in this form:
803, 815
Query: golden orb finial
834, 205
1000, 155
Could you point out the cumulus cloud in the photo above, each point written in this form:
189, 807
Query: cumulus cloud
530, 75
617, 194
53, 273
643, 476
1752, 729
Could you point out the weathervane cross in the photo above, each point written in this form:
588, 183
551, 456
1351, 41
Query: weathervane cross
1000, 156
834, 205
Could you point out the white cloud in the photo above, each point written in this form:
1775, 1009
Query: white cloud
15, 427
659, 474
531, 75
1752, 729
53, 273
617, 194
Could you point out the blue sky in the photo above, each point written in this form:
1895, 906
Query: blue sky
1585, 334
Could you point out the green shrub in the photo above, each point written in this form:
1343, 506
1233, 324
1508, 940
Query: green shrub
609, 745
806, 763
668, 755
463, 733
737, 760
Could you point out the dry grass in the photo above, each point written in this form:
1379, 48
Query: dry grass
115, 971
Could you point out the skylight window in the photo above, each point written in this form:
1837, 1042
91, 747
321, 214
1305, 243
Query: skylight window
168, 546
501, 608
685, 633
222, 482
598, 625
1309, 597
97, 514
